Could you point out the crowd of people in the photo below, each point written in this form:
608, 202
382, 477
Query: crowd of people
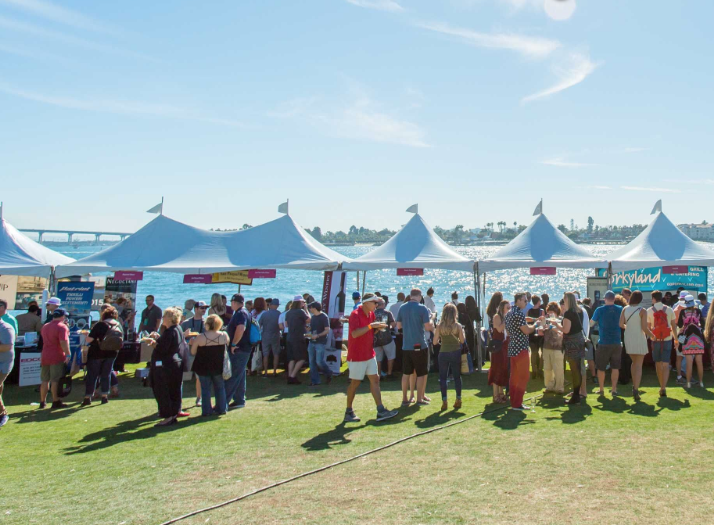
221, 343
615, 337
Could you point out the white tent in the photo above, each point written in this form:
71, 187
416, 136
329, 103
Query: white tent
414, 246
541, 245
20, 255
170, 246
660, 244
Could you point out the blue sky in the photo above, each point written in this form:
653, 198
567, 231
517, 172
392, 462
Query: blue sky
354, 109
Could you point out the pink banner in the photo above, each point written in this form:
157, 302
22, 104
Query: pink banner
198, 278
543, 271
128, 276
675, 270
262, 274
410, 271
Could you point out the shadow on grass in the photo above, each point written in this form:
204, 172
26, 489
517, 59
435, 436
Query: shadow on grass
505, 418
338, 435
37, 414
127, 431
438, 418
568, 414
673, 404
701, 393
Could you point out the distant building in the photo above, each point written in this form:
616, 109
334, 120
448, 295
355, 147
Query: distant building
698, 232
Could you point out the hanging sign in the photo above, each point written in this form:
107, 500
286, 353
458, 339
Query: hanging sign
409, 271
693, 279
129, 275
236, 277
198, 278
543, 271
675, 270
262, 274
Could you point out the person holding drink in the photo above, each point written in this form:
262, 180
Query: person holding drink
319, 328
361, 357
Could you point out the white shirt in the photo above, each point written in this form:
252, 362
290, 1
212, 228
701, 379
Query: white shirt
586, 322
281, 320
429, 303
395, 308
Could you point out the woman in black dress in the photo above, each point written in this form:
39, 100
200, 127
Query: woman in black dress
166, 367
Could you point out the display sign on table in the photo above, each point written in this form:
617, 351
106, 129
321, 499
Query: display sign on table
333, 304
410, 271
30, 369
76, 297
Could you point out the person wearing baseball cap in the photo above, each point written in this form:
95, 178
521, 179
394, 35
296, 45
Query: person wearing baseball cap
54, 357
50, 306
239, 336
191, 328
297, 320
609, 347
361, 357
356, 298
270, 328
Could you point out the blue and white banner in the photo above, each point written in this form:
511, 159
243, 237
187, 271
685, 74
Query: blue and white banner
651, 279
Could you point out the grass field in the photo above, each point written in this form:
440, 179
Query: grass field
606, 461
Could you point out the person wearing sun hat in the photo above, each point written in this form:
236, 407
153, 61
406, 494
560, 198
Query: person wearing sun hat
361, 357
296, 319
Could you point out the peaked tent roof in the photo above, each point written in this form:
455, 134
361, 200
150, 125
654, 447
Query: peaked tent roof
20, 255
414, 246
660, 244
541, 245
170, 246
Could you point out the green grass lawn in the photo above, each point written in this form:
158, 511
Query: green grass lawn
606, 461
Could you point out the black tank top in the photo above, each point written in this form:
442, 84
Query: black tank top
209, 358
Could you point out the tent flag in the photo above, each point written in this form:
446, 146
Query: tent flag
657, 207
159, 208
539, 208
414, 208
283, 208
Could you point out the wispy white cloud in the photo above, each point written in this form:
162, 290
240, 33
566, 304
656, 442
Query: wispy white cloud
360, 119
560, 162
636, 150
648, 189
381, 5
530, 46
59, 14
517, 5
31, 29
121, 107
576, 69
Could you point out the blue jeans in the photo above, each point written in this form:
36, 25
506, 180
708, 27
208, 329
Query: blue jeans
235, 386
453, 360
316, 352
98, 368
219, 390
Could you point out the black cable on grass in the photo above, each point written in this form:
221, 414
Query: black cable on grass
336, 464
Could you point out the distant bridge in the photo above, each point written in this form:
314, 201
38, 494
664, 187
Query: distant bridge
71, 233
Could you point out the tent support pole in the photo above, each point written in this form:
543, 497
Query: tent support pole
364, 281
52, 283
609, 276
357, 280
477, 333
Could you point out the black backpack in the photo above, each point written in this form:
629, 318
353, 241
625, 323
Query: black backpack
114, 338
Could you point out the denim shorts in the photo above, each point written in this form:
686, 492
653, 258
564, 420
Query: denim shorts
661, 351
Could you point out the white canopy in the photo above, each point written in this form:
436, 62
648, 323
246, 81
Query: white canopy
20, 255
540, 245
660, 244
170, 246
414, 246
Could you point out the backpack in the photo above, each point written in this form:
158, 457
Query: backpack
660, 326
691, 318
114, 338
694, 344
255, 335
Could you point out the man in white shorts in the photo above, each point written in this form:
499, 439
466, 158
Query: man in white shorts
361, 357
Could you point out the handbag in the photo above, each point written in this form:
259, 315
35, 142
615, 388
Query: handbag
227, 371
494, 345
464, 363
256, 364
184, 352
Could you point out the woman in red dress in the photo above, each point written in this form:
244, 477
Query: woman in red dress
498, 373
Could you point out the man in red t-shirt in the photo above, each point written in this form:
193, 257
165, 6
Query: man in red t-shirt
361, 357
55, 354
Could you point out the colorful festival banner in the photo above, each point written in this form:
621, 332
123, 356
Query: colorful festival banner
651, 279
